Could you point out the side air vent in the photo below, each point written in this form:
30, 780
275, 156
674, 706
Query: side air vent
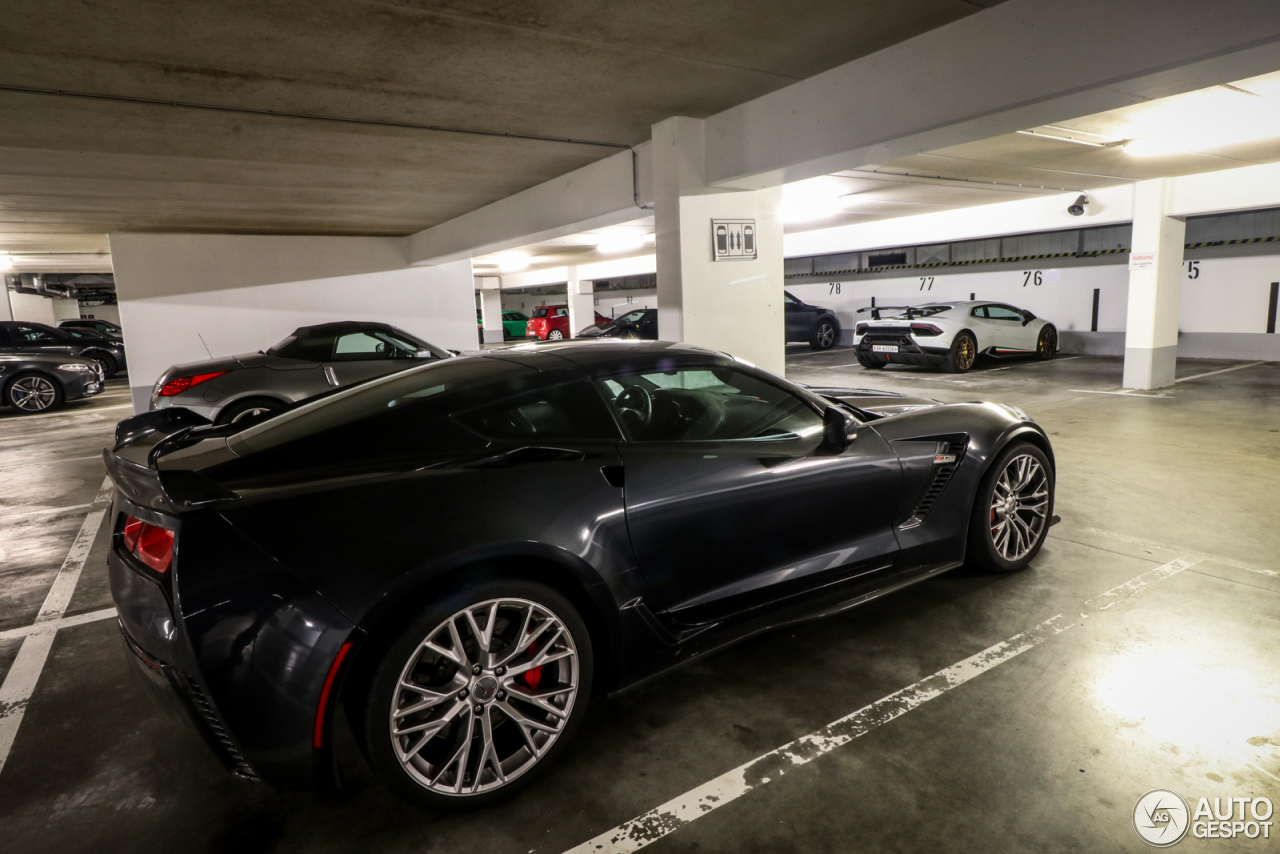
217, 734
948, 456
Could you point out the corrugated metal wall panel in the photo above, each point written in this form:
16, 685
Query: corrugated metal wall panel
1047, 243
938, 253
843, 263
975, 250
1106, 238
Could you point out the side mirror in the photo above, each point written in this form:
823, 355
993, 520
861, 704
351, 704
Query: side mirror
1027, 317
839, 428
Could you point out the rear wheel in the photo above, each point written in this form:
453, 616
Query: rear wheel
823, 336
1047, 344
479, 695
31, 394
869, 361
1012, 509
555, 335
963, 353
252, 407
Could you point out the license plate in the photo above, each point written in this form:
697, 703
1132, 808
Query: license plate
884, 348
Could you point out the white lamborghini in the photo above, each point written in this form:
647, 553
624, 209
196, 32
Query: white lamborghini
950, 335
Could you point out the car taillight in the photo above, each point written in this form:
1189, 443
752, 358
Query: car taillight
925, 329
181, 384
861, 329
150, 544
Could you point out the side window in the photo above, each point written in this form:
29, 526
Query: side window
362, 346
788, 299
33, 335
556, 413
562, 312
1001, 312
708, 404
980, 311
633, 317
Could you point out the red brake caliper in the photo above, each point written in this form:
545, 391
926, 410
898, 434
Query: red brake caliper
532, 676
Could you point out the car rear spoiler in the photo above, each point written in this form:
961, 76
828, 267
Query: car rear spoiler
167, 420
876, 309
170, 491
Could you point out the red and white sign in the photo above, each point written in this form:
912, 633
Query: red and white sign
1142, 260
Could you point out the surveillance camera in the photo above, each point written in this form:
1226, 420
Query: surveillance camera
1077, 209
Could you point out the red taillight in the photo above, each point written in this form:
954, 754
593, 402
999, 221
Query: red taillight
150, 544
181, 384
925, 329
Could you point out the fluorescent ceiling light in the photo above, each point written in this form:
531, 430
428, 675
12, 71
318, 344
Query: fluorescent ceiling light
619, 241
817, 198
513, 262
1224, 116
651, 239
1063, 136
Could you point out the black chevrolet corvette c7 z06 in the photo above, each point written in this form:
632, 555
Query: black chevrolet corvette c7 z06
460, 554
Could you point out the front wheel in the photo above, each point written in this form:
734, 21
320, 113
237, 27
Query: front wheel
31, 394
1047, 344
479, 695
1012, 509
824, 335
963, 353
555, 335
104, 361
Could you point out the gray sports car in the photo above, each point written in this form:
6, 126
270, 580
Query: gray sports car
312, 360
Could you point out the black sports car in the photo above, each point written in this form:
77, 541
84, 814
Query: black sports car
463, 552
639, 324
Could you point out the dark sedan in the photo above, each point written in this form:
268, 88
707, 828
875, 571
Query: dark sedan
18, 336
461, 554
310, 361
811, 323
31, 383
641, 324
90, 324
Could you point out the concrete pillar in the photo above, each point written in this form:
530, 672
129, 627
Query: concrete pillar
1155, 288
582, 302
719, 254
491, 308
6, 309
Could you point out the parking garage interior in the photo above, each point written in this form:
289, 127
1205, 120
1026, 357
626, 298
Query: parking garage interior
208, 181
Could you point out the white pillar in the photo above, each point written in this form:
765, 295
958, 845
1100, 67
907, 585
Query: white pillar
724, 295
491, 308
582, 302
1155, 286
6, 310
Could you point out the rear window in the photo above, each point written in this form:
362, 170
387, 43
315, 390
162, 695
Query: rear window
539, 312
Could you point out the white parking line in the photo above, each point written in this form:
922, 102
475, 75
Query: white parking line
1125, 393
1223, 371
661, 821
1200, 556
50, 626
20, 682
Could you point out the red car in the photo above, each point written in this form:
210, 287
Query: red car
551, 323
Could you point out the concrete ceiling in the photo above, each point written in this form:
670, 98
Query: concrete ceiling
586, 69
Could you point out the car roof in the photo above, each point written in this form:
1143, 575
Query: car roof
594, 352
341, 327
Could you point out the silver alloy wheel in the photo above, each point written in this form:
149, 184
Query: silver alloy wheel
33, 394
555, 335
1019, 507
484, 696
826, 335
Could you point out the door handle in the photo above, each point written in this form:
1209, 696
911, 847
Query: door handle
527, 455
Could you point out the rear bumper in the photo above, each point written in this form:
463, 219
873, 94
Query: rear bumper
236, 648
909, 351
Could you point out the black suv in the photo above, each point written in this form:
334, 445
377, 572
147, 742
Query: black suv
19, 336
811, 323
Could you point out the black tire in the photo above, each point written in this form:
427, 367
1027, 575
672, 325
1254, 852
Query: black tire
963, 353
106, 360
869, 361
983, 547
1047, 343
403, 656
250, 407
19, 391
824, 334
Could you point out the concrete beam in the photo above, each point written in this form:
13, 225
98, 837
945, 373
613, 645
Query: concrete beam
1018, 65
600, 194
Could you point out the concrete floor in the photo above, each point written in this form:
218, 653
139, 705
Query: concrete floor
1176, 687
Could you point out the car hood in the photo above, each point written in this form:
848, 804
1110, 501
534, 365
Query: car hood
873, 400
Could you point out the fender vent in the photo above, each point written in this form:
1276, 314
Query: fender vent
941, 477
217, 734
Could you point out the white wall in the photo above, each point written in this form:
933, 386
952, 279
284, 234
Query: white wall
32, 308
243, 294
109, 313
1223, 311
65, 309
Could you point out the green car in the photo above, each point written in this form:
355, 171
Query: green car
513, 324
